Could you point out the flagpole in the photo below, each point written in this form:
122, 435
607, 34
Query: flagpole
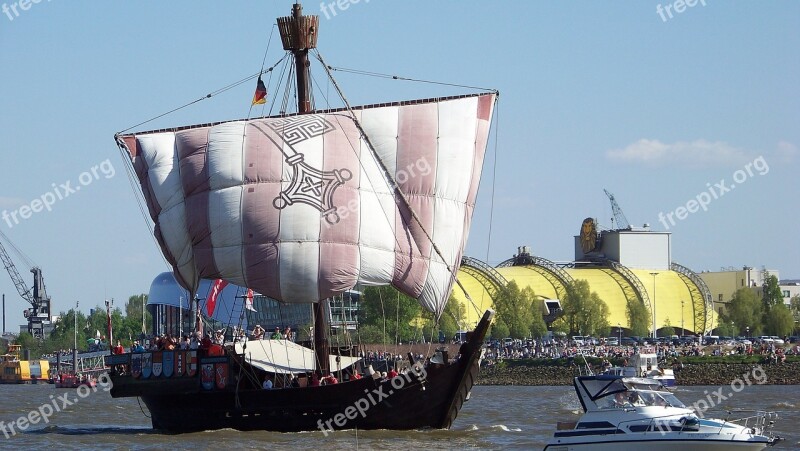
75, 334
110, 327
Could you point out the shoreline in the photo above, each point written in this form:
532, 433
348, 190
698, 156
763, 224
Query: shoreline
709, 373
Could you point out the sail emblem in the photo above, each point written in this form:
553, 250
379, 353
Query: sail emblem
308, 185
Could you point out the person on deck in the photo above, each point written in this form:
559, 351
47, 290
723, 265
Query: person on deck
277, 334
267, 385
330, 379
219, 337
391, 374
206, 343
258, 332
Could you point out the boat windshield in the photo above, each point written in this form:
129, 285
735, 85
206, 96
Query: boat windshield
639, 398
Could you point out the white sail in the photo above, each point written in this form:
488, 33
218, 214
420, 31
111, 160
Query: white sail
299, 209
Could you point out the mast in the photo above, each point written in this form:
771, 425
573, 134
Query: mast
299, 34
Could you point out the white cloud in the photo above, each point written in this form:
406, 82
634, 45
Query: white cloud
695, 154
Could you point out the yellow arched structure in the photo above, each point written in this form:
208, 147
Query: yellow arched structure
479, 294
666, 292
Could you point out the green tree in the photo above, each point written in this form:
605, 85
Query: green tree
384, 306
27, 341
371, 333
779, 320
500, 329
515, 309
64, 333
452, 320
538, 326
584, 312
794, 306
667, 330
772, 295
745, 310
132, 325
726, 328
638, 318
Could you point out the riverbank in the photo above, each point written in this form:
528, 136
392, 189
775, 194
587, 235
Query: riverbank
705, 373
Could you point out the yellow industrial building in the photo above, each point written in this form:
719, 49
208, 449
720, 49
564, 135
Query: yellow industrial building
631, 263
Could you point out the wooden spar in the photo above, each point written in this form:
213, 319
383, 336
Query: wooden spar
299, 34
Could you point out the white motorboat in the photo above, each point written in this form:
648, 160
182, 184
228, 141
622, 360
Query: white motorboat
645, 365
632, 413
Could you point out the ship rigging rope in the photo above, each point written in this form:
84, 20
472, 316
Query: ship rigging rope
137, 194
395, 186
397, 241
263, 63
397, 77
209, 95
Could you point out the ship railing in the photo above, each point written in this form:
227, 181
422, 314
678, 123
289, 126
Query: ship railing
758, 423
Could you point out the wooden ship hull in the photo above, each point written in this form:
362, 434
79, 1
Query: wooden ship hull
429, 397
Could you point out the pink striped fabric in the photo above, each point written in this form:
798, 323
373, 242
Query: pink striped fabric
298, 207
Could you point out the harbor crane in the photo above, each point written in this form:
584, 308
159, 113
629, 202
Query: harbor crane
39, 318
619, 218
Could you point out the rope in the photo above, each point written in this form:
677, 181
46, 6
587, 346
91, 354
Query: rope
208, 96
141, 408
397, 322
383, 310
393, 182
496, 114
397, 77
263, 62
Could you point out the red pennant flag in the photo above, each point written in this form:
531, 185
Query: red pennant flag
216, 289
260, 97
249, 301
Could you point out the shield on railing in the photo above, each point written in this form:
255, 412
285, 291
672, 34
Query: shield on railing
136, 365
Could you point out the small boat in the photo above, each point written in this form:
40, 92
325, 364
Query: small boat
632, 413
69, 380
645, 365
14, 370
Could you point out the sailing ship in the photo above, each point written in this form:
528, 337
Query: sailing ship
302, 207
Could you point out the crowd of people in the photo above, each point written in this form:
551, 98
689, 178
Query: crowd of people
564, 349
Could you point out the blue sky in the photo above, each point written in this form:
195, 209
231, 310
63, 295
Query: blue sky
593, 95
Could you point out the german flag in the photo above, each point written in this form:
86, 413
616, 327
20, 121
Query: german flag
260, 97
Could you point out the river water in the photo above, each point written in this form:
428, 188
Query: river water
495, 418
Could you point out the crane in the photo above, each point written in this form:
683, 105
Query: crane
619, 217
39, 314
